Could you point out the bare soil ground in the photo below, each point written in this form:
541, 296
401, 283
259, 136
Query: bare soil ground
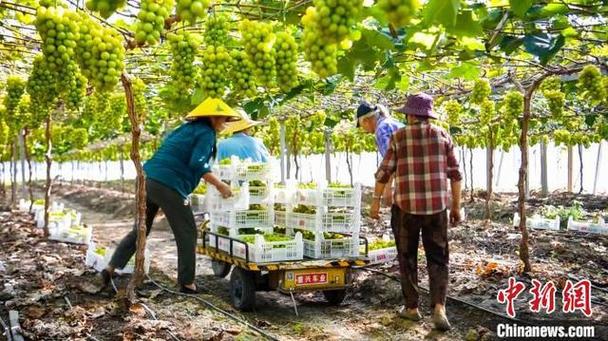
39, 275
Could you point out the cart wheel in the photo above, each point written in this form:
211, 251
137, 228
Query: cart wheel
242, 289
334, 297
220, 269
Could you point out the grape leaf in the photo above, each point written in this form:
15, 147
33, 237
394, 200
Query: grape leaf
520, 7
543, 45
442, 12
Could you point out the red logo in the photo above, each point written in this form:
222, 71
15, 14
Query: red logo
574, 296
311, 279
577, 297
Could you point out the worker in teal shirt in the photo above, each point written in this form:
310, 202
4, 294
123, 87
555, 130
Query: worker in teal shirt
241, 143
172, 173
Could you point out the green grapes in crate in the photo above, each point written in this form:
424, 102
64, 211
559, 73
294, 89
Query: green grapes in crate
225, 162
381, 244
269, 237
279, 207
201, 189
305, 209
223, 230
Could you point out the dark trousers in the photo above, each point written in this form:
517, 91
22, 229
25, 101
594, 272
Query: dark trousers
407, 228
181, 220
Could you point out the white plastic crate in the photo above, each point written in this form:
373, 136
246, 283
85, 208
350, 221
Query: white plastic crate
71, 234
261, 194
380, 256
283, 195
198, 202
242, 219
238, 201
342, 222
262, 251
237, 232
98, 258
243, 170
57, 220
538, 222
321, 248
585, 226
328, 196
280, 218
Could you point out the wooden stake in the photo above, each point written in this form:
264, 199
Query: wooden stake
543, 169
597, 166
570, 168
140, 193
49, 161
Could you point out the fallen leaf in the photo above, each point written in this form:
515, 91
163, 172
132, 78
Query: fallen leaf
138, 309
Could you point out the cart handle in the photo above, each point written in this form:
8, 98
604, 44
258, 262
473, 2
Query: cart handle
366, 244
232, 240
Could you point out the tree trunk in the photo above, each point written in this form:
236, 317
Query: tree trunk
349, 163
463, 162
295, 161
29, 167
22, 159
524, 252
2, 185
140, 191
490, 175
327, 136
471, 174
122, 171
49, 161
580, 159
543, 170
282, 153
13, 174
597, 166
570, 168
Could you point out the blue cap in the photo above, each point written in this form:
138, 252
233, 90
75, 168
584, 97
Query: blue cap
364, 109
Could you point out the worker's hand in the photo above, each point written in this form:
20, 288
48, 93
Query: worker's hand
455, 217
374, 211
224, 190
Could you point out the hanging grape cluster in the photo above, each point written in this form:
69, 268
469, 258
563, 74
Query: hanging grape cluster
100, 54
258, 41
191, 10
15, 87
41, 85
72, 86
139, 94
241, 74
487, 112
590, 84
59, 32
151, 20
399, 12
322, 56
453, 109
513, 104
214, 72
481, 91
286, 51
217, 29
105, 7
183, 50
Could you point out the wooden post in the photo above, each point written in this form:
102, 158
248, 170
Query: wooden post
282, 152
471, 173
13, 173
49, 161
22, 158
543, 169
327, 135
490, 173
580, 159
140, 196
122, 171
29, 167
597, 166
570, 168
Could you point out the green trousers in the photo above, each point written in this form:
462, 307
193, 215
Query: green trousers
178, 213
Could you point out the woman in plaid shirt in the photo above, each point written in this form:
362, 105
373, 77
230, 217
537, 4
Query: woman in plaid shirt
421, 159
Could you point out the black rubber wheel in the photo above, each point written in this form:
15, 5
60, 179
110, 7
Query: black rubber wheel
334, 297
242, 289
220, 269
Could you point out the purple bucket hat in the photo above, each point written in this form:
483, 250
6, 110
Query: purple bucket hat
420, 105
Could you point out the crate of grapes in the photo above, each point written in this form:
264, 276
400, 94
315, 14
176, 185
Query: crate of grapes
282, 194
79, 234
238, 201
260, 192
332, 195
322, 219
324, 245
261, 248
98, 257
256, 216
381, 251
280, 215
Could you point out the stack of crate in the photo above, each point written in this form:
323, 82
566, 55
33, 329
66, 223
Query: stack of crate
252, 184
329, 219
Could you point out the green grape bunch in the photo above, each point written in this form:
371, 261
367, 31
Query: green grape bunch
151, 20
139, 94
453, 109
590, 84
487, 112
552, 83
555, 101
105, 7
15, 87
286, 50
191, 10
241, 75
59, 32
513, 104
183, 49
399, 12
42, 86
214, 73
258, 40
100, 54
217, 29
333, 19
481, 91
323, 56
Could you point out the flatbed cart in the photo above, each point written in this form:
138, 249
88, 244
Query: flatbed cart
331, 276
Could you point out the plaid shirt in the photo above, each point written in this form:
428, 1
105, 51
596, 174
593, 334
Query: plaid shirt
385, 127
422, 156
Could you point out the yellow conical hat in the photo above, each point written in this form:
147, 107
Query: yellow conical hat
241, 125
214, 107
